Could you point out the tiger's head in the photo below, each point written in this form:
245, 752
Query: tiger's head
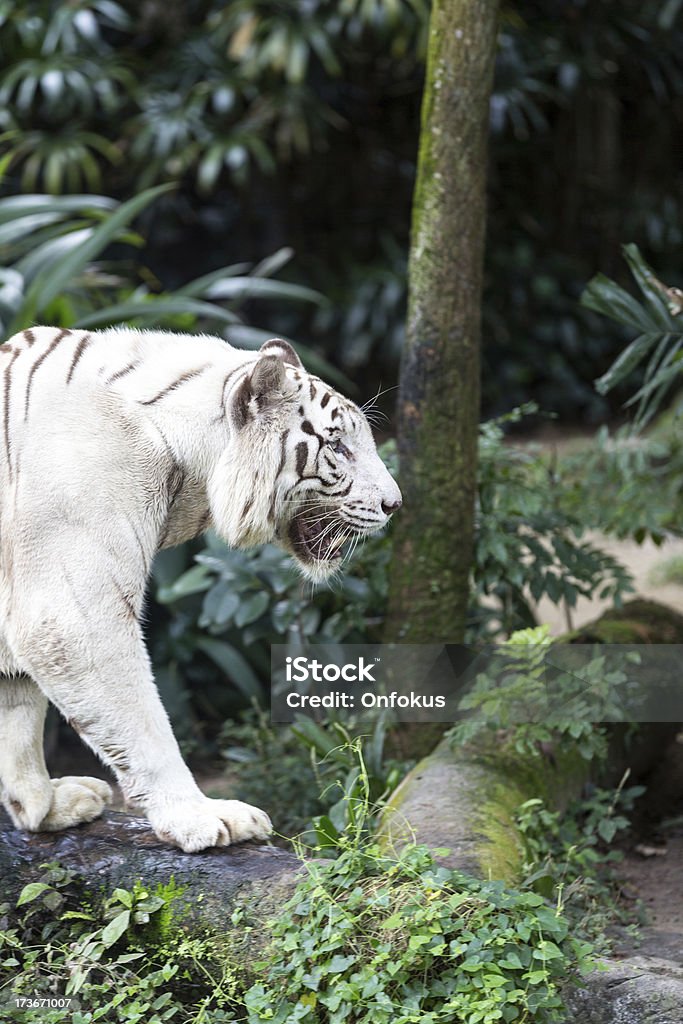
301, 469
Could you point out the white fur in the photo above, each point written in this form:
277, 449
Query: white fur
94, 442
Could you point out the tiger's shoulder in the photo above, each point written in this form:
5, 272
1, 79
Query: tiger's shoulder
186, 431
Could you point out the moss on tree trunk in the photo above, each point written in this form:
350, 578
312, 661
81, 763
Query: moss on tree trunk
439, 397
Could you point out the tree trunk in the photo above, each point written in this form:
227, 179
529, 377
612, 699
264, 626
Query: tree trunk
438, 407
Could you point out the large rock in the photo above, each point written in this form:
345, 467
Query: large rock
118, 849
639, 990
467, 801
637, 622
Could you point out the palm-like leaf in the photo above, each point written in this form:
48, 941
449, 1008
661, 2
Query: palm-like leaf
48, 246
659, 339
54, 279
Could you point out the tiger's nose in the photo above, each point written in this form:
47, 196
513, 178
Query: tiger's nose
389, 507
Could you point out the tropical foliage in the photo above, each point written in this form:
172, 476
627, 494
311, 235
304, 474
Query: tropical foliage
50, 272
659, 334
112, 96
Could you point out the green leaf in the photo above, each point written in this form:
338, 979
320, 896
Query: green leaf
607, 829
536, 977
604, 296
670, 367
127, 958
241, 288
77, 915
627, 361
31, 892
201, 284
511, 961
338, 963
314, 735
210, 167
325, 832
19, 227
251, 607
51, 282
115, 929
5, 161
234, 664
645, 279
220, 604
123, 896
194, 581
152, 309
150, 904
271, 264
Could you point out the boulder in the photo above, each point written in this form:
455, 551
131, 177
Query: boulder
119, 849
639, 990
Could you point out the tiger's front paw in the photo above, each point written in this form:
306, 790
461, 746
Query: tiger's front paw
195, 825
75, 799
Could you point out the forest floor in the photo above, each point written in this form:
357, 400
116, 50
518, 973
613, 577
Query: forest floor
652, 870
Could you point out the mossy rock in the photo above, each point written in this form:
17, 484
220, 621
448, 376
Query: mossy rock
117, 850
637, 622
466, 802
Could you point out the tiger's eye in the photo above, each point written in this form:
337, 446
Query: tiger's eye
339, 448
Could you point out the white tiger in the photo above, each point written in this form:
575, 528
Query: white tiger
115, 444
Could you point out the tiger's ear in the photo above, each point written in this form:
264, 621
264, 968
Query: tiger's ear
281, 348
264, 388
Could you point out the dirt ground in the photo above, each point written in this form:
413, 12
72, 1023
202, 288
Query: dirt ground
652, 871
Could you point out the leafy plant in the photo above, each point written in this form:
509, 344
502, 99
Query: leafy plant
121, 958
47, 251
626, 486
313, 774
659, 335
367, 310
237, 91
529, 541
60, 73
366, 937
537, 701
394, 939
570, 856
369, 936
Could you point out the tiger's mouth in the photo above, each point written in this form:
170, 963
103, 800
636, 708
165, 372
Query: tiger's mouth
317, 536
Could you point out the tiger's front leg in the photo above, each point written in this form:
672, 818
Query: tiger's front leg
102, 682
